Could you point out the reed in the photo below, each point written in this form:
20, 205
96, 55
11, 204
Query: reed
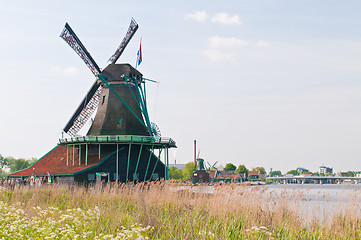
168, 210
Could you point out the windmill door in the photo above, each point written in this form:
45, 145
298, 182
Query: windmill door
102, 178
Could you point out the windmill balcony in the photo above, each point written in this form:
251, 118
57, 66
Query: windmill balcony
122, 139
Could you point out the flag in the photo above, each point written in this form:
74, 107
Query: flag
49, 177
139, 54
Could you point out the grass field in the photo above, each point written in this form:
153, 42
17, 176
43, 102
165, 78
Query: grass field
164, 211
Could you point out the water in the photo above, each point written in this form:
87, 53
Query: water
319, 201
309, 201
316, 192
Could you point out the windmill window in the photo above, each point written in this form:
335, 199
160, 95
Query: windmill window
103, 100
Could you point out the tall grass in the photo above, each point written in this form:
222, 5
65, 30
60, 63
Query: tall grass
172, 211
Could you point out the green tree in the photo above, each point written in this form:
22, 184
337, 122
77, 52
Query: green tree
3, 162
351, 173
242, 170
175, 173
230, 167
293, 172
18, 164
260, 169
189, 170
3, 174
275, 173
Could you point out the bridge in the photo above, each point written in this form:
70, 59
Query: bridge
315, 179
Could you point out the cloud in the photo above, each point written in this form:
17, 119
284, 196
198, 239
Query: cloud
226, 42
71, 71
261, 43
224, 18
225, 48
216, 55
68, 71
218, 48
199, 16
55, 68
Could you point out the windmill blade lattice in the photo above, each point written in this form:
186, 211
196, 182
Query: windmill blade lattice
84, 111
133, 27
70, 38
91, 100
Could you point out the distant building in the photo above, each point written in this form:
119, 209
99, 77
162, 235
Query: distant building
342, 174
302, 170
255, 176
201, 176
324, 170
212, 174
229, 176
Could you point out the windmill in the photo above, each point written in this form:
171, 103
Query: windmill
121, 143
201, 175
126, 114
200, 162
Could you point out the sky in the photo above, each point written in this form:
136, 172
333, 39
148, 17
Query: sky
272, 83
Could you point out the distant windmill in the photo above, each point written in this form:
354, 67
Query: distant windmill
212, 166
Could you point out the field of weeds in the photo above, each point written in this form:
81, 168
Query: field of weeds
165, 211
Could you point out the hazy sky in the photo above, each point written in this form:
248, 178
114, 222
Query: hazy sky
262, 83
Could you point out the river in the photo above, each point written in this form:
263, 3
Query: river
319, 201
309, 201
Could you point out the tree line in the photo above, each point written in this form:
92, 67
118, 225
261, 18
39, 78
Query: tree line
187, 173
296, 173
10, 164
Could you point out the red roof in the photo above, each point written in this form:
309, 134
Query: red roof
253, 172
235, 176
54, 162
212, 174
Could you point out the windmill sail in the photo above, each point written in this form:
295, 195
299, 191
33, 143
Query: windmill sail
133, 27
84, 111
70, 38
91, 100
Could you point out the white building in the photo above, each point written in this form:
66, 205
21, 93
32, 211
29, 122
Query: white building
324, 170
